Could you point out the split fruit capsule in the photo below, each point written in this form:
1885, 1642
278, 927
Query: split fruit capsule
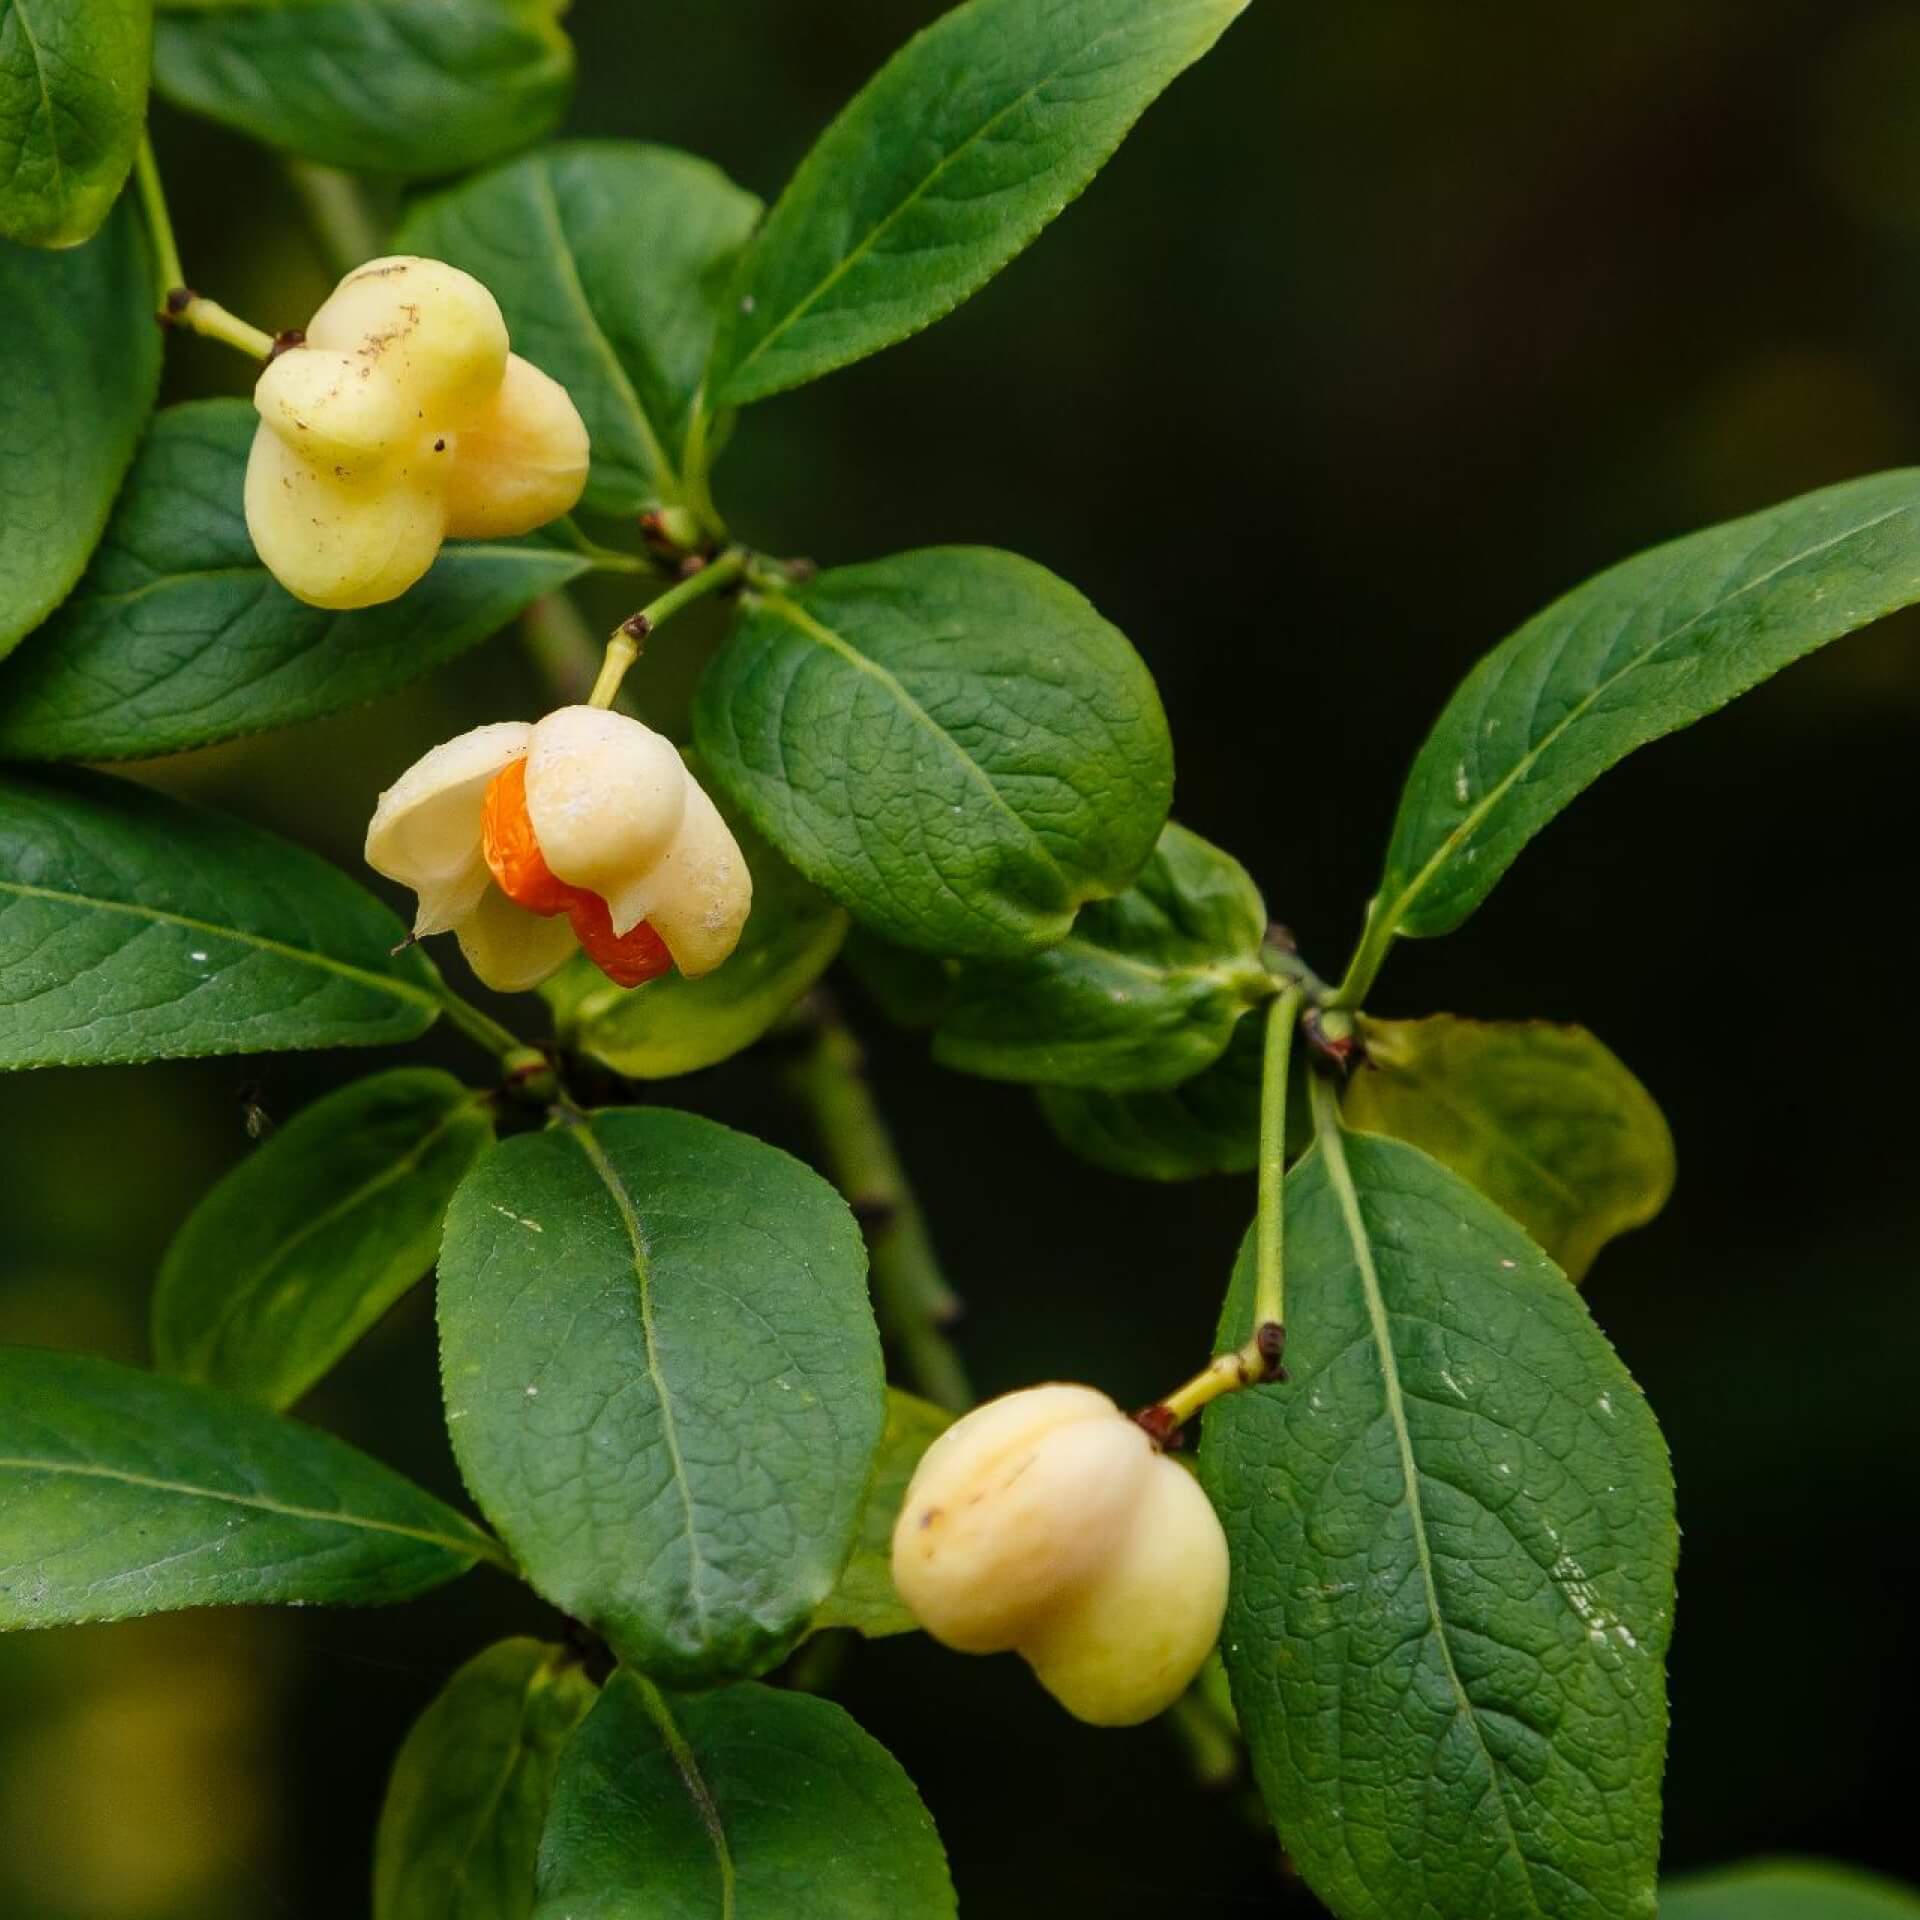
401, 422
583, 832
1049, 1524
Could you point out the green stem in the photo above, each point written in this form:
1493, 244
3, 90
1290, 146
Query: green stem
1258, 1360
695, 481
1212, 1747
341, 221
167, 271
564, 648
911, 1299
1269, 1233
175, 302
481, 1028
1328, 1128
623, 649
1376, 940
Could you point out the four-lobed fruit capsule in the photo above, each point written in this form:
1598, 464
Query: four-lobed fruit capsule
583, 831
1049, 1524
402, 421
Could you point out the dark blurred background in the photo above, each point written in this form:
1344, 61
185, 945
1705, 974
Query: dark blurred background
1388, 324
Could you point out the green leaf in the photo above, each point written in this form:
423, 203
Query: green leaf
865, 1598
608, 259
305, 1244
1209, 1124
413, 87
122, 1493
178, 636
1649, 646
1787, 1890
911, 989
460, 1830
674, 1025
73, 98
82, 354
663, 1381
1453, 1555
951, 742
1546, 1122
752, 1803
1145, 992
944, 167
137, 927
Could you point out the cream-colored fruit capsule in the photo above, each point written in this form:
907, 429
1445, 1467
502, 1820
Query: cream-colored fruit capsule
1047, 1523
602, 839
403, 421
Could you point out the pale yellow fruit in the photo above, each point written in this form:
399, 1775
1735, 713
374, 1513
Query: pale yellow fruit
403, 419
431, 329
1048, 1524
524, 451
616, 811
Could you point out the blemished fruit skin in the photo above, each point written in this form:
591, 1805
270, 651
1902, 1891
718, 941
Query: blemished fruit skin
402, 421
1048, 1524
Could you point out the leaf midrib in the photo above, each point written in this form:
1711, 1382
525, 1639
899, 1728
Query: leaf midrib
854, 255
1471, 823
315, 1224
680, 1752
804, 622
665, 476
325, 963
46, 101
475, 1548
583, 1135
1332, 1146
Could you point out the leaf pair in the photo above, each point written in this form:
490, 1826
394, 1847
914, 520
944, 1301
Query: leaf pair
752, 1802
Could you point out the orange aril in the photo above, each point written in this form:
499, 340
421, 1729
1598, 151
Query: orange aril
520, 869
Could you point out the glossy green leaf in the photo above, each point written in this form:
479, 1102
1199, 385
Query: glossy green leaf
460, 1831
1649, 646
1542, 1119
122, 1493
864, 1598
1787, 1890
1208, 1124
82, 360
178, 636
1453, 1558
951, 742
663, 1381
675, 1025
413, 87
73, 98
308, 1241
137, 927
1145, 992
608, 259
751, 1803
944, 167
